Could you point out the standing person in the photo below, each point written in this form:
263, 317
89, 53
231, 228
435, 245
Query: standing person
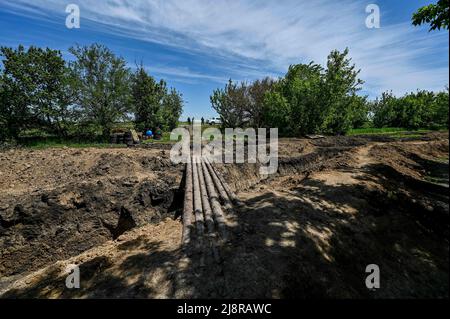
203, 121
144, 133
158, 134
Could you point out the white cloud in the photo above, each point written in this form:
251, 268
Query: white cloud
183, 74
269, 35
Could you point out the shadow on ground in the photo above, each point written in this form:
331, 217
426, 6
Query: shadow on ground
309, 241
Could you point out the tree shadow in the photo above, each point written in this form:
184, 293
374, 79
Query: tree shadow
101, 278
311, 241
315, 240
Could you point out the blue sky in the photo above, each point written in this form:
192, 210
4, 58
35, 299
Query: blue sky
196, 46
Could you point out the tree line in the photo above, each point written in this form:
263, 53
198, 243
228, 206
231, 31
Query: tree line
312, 99
83, 97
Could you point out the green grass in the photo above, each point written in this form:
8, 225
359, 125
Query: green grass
54, 142
43, 144
443, 159
383, 130
390, 131
30, 140
165, 139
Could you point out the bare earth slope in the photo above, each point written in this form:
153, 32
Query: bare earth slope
336, 206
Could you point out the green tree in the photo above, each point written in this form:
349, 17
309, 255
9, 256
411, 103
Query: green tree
311, 99
360, 112
242, 104
35, 91
437, 15
440, 115
102, 86
171, 110
303, 87
298, 99
422, 109
277, 112
384, 110
4, 131
147, 99
256, 95
230, 103
341, 85
415, 110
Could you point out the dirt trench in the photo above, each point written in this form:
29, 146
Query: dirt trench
310, 230
64, 202
335, 206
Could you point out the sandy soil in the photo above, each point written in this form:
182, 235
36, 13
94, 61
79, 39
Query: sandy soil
336, 206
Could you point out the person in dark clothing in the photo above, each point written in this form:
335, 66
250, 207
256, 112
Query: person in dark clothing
158, 134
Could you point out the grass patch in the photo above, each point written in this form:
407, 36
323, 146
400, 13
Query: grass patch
443, 159
393, 131
164, 140
383, 131
55, 144
43, 142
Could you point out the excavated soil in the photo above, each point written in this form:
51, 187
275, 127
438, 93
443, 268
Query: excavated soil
58, 203
335, 206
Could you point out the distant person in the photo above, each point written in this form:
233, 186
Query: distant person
189, 120
203, 121
158, 134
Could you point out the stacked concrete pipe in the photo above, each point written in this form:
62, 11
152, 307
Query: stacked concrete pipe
204, 219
